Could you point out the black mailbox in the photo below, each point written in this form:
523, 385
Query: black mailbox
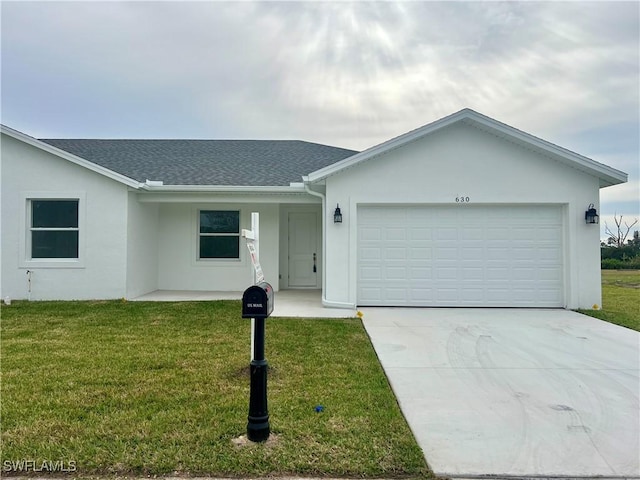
257, 301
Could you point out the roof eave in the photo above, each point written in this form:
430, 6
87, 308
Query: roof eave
261, 189
608, 175
34, 142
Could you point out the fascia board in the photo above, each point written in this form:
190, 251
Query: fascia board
223, 189
607, 175
34, 142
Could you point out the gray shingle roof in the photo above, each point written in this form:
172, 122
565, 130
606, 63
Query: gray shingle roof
207, 162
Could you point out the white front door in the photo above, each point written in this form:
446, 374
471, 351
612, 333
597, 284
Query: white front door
303, 250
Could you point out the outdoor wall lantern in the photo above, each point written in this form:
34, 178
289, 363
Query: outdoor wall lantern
337, 215
591, 216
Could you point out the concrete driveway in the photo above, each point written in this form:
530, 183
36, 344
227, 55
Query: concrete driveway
514, 392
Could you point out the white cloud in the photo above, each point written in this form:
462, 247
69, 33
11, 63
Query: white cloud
350, 74
625, 192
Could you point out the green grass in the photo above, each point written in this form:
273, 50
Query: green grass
620, 298
162, 388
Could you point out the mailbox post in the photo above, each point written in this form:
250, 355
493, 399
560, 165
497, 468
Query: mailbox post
257, 303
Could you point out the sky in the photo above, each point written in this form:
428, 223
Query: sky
346, 74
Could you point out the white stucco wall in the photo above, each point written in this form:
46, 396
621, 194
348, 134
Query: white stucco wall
464, 161
100, 273
142, 247
178, 266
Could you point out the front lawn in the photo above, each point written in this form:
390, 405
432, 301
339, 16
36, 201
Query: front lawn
163, 389
620, 298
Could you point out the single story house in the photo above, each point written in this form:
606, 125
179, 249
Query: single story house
465, 211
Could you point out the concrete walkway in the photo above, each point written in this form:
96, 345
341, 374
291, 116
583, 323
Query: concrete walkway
287, 303
506, 392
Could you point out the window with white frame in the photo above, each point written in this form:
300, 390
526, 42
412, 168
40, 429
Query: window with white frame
53, 228
219, 234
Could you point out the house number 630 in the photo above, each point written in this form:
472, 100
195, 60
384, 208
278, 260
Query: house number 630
462, 199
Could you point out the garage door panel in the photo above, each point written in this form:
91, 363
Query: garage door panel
447, 234
449, 256
370, 233
472, 273
549, 254
550, 295
395, 233
420, 233
494, 234
397, 273
420, 273
450, 273
471, 234
553, 234
398, 294
470, 253
498, 272
371, 253
495, 253
370, 294
472, 295
368, 274
395, 253
522, 234
445, 253
523, 253
447, 295
552, 274
420, 296
420, 253
497, 292
524, 273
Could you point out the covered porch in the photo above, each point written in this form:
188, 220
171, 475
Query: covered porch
166, 253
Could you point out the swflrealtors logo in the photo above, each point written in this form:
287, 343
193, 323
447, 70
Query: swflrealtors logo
24, 465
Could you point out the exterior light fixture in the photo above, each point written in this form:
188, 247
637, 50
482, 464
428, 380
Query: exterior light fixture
337, 215
591, 216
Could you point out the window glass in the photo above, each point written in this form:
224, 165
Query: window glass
54, 213
219, 234
215, 221
219, 247
54, 244
54, 229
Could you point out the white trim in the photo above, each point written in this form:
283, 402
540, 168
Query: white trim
237, 235
230, 197
25, 260
223, 188
68, 156
556, 222
608, 176
194, 234
332, 304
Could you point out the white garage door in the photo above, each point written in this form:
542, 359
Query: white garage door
462, 255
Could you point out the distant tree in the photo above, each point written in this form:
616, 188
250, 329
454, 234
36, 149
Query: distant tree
618, 237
